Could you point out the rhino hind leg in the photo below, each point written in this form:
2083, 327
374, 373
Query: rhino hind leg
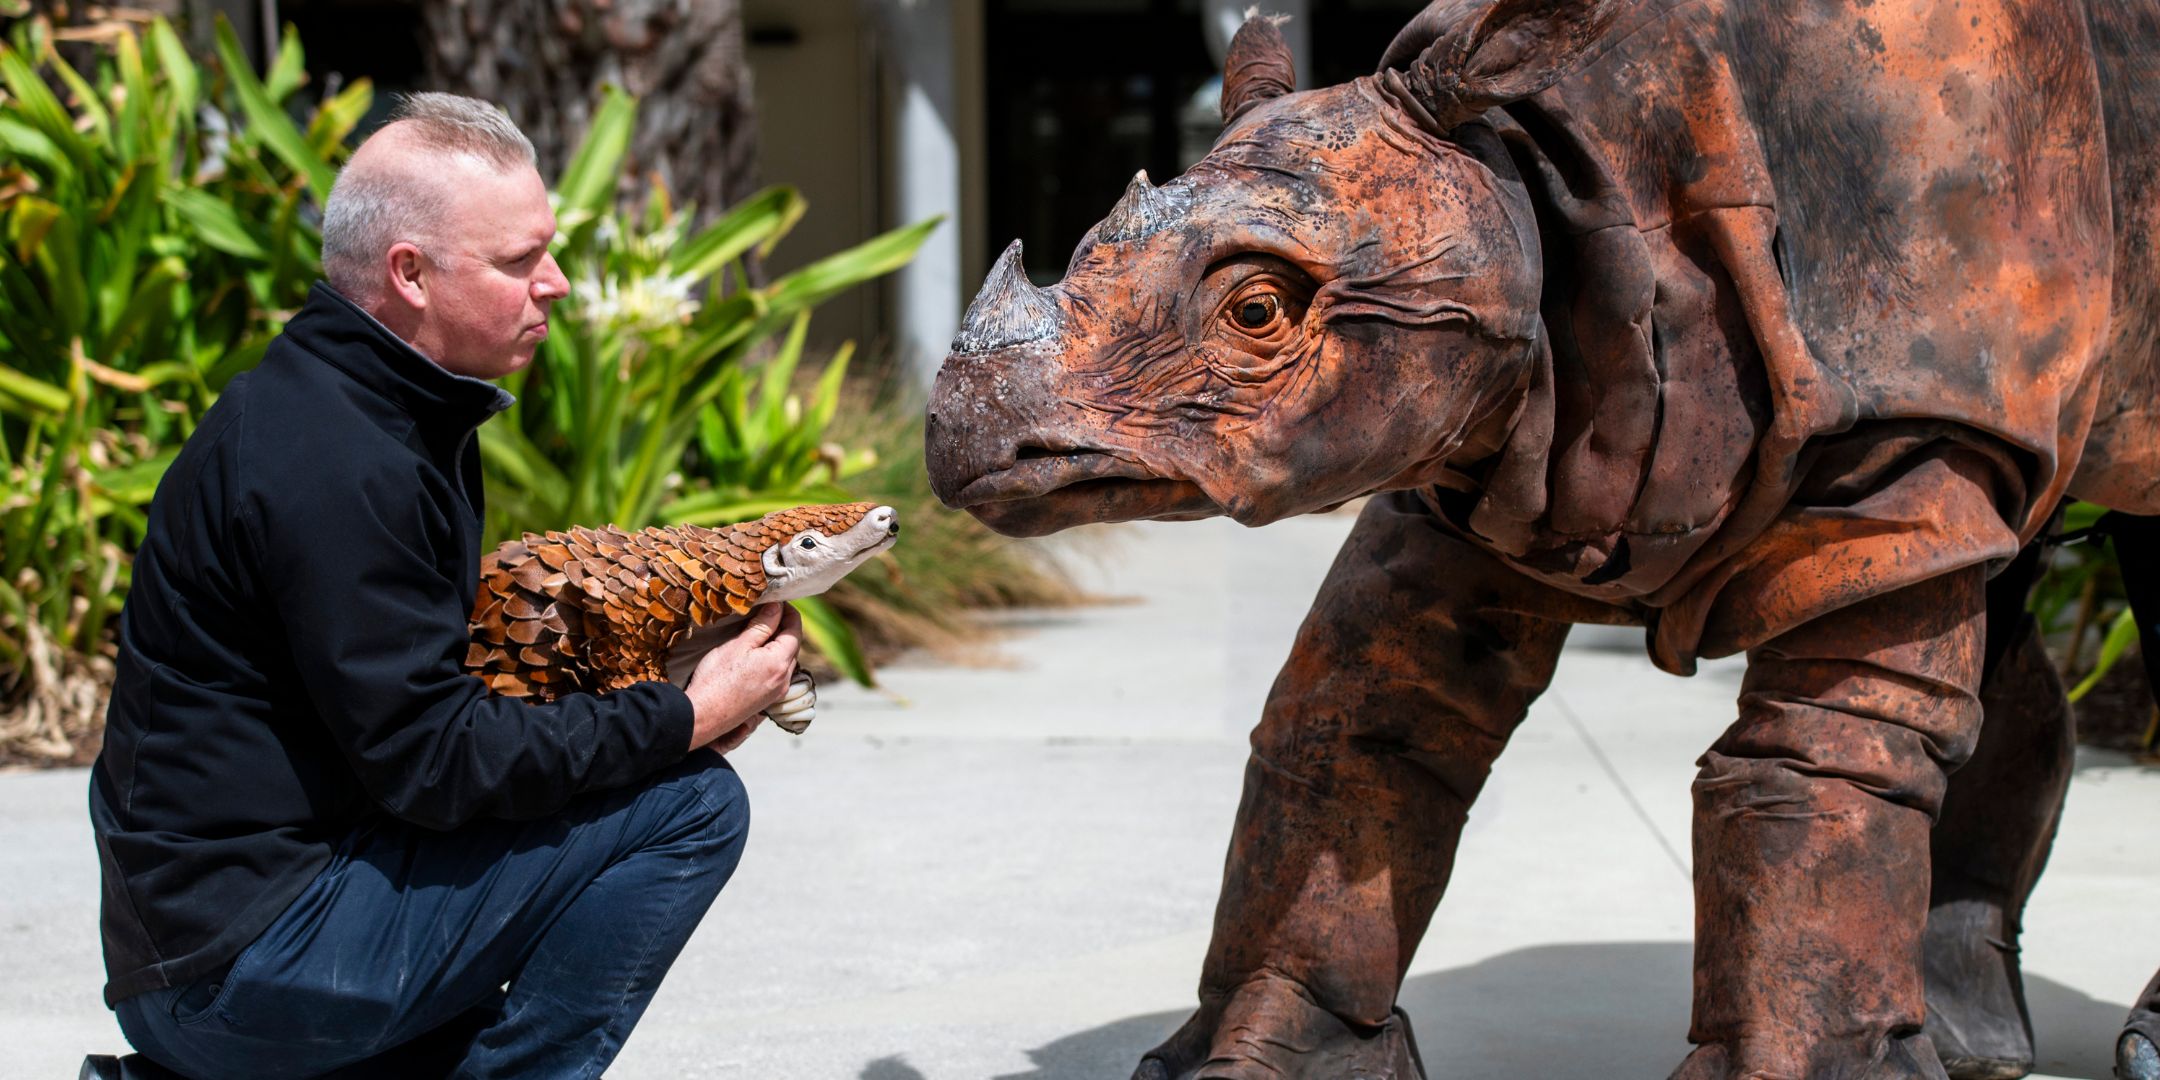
2137, 548
1812, 821
1991, 841
1406, 680
1976, 1001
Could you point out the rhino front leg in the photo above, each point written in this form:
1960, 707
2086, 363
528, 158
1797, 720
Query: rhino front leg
1812, 816
1998, 822
1413, 668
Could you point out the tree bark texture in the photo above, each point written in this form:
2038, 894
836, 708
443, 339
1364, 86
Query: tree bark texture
545, 60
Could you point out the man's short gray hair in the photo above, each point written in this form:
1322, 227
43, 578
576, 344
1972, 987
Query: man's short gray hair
370, 209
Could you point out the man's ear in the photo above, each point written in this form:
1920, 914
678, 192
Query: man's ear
407, 269
1458, 58
1257, 66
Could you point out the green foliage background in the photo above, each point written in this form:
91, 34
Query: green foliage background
159, 224
2084, 614
151, 242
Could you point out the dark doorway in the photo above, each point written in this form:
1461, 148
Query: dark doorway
1080, 93
351, 39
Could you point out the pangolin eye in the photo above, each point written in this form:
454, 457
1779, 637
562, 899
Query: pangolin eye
1255, 312
808, 543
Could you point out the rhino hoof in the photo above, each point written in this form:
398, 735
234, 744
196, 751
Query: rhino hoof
1897, 1057
1976, 1014
1976, 1068
1152, 1069
1340, 1052
2136, 1058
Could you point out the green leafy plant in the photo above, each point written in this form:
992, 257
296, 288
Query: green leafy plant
665, 391
2081, 595
153, 232
2084, 614
157, 227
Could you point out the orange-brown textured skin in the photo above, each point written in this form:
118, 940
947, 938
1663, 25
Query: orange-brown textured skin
1774, 327
1811, 837
592, 610
1257, 69
1402, 689
1811, 231
1738, 261
2122, 453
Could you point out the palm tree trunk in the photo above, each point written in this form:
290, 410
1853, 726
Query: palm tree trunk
545, 60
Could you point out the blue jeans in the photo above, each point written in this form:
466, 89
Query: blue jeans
395, 960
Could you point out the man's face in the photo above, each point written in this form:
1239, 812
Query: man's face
493, 278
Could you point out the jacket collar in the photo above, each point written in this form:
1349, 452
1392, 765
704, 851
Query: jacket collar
353, 341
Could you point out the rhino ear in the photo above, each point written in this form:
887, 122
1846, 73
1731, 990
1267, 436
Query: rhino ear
1257, 66
1458, 58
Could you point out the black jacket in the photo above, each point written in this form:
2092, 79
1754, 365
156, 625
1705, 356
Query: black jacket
291, 653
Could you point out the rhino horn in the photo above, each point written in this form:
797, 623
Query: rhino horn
1143, 209
1008, 311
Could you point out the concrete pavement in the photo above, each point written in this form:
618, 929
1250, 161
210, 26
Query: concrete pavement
1008, 872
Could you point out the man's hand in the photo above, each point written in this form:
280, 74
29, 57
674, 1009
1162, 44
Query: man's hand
733, 683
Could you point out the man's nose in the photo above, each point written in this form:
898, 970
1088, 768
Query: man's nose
551, 284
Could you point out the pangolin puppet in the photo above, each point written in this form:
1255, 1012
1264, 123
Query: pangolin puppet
594, 610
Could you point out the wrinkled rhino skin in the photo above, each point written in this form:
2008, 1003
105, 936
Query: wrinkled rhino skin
1777, 329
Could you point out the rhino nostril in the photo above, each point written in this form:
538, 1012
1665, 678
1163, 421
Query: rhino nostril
1029, 451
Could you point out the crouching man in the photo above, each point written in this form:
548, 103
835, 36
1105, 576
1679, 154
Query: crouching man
325, 848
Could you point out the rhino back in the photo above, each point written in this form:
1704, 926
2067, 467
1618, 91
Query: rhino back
1938, 176
2122, 456
1895, 222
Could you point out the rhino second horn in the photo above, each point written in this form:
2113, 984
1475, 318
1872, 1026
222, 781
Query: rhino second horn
1143, 209
1008, 311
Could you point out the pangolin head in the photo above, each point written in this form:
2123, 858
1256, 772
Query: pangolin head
805, 550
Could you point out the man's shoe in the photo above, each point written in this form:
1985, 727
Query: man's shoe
131, 1067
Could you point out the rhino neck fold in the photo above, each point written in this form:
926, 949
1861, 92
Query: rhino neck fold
1464, 459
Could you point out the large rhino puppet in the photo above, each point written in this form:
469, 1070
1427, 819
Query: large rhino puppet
1776, 327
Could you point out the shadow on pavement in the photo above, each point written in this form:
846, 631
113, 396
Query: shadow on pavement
1567, 1012
2076, 1034
890, 1068
2093, 758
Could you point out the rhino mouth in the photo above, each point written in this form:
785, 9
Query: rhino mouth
1048, 490
1039, 472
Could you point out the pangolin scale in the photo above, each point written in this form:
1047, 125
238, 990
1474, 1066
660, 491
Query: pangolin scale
592, 610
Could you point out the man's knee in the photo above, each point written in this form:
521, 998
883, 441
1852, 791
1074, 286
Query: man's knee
710, 801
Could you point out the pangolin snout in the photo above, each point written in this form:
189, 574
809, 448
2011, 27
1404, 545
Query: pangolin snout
886, 518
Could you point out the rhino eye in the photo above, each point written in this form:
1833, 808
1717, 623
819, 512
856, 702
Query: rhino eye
1262, 304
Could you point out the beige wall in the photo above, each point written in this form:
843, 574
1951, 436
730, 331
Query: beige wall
818, 130
976, 249
827, 101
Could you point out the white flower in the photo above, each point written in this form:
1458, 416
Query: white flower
638, 304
